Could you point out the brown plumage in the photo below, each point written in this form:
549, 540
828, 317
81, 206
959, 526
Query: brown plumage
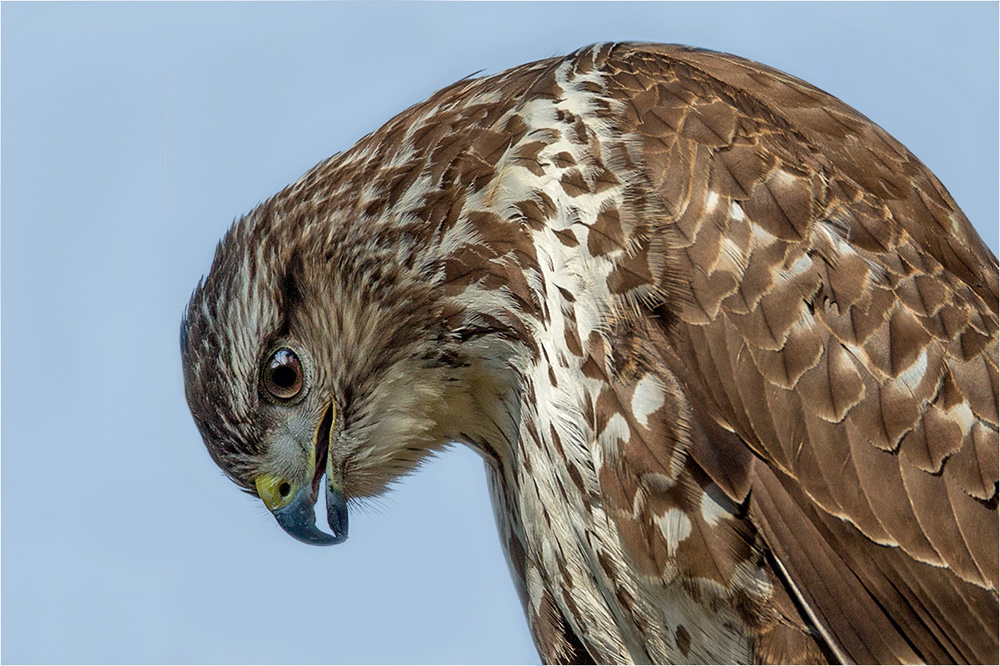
728, 349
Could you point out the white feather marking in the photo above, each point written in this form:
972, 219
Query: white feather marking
913, 375
535, 588
783, 176
963, 416
799, 266
647, 398
616, 430
675, 527
711, 201
733, 258
753, 579
711, 511
759, 236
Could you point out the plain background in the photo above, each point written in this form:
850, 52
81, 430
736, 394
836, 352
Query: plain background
134, 134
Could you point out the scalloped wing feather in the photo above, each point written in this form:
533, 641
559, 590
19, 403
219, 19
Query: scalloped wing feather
838, 313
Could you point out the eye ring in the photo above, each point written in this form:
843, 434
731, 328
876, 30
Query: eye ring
282, 375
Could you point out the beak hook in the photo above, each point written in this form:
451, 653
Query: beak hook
297, 516
336, 512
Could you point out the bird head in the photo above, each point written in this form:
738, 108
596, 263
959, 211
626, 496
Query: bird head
317, 359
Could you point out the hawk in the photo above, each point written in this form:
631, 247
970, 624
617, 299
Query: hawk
728, 350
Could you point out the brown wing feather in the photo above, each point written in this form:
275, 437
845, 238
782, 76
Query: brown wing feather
830, 305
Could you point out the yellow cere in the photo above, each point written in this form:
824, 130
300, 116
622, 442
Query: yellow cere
269, 489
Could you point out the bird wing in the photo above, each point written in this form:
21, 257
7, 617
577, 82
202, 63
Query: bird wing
826, 305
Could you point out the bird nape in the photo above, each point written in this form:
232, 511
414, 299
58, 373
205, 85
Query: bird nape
728, 349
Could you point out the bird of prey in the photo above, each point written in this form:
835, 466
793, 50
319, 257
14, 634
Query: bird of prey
728, 349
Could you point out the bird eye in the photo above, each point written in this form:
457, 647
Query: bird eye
283, 374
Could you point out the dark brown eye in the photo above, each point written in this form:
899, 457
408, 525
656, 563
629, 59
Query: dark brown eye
283, 374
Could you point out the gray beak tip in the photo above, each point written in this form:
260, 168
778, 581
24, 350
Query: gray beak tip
298, 519
336, 513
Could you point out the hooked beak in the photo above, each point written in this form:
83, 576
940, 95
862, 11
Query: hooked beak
299, 519
293, 507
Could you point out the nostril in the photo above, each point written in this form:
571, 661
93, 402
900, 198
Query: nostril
284, 489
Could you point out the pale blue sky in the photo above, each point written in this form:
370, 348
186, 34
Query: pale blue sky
132, 135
